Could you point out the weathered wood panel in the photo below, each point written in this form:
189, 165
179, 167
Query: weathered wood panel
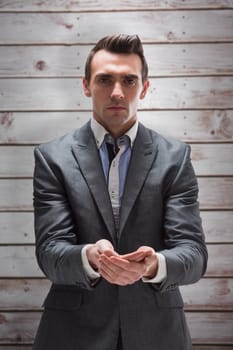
210, 294
218, 226
66, 94
220, 260
18, 227
207, 159
215, 193
16, 195
23, 294
192, 126
190, 57
152, 26
16, 161
211, 159
206, 328
163, 60
39, 127
211, 328
19, 261
18, 327
110, 5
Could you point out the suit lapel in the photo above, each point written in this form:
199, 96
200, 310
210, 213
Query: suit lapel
143, 155
87, 156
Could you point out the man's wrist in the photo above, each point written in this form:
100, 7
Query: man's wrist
91, 273
161, 273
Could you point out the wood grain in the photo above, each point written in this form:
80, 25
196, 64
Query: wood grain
23, 294
66, 94
189, 48
216, 193
16, 195
18, 261
218, 226
191, 126
211, 328
152, 26
220, 260
209, 294
163, 60
211, 159
110, 5
18, 327
16, 228
9, 160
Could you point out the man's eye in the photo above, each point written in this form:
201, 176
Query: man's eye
129, 81
105, 81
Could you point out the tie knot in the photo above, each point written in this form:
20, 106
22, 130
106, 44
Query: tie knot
113, 146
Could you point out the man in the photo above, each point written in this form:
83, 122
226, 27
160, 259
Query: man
116, 219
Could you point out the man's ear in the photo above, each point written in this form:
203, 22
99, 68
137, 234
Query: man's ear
86, 87
144, 90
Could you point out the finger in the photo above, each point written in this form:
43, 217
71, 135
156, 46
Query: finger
129, 266
104, 244
134, 256
107, 264
117, 275
116, 268
106, 247
147, 251
140, 254
118, 262
112, 273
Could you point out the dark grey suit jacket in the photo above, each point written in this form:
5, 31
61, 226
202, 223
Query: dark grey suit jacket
159, 209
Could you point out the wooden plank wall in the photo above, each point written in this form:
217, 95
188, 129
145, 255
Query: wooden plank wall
189, 45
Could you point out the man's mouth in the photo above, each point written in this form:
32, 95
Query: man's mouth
116, 107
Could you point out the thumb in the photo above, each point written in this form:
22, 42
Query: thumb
104, 246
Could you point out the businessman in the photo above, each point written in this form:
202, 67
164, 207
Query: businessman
117, 220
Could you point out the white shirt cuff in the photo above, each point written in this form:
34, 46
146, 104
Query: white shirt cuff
161, 273
90, 272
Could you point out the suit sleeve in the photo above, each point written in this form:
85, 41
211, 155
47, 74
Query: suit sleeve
184, 244
57, 251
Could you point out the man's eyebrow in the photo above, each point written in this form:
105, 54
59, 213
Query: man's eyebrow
105, 75
131, 76
108, 75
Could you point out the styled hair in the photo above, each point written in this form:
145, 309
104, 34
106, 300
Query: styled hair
122, 44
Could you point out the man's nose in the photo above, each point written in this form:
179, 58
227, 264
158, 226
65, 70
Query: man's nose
117, 92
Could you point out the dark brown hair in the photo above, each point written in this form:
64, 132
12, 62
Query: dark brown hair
123, 44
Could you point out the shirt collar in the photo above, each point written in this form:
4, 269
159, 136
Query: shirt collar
99, 132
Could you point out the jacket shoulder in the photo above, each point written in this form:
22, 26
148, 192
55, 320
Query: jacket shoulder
166, 143
61, 144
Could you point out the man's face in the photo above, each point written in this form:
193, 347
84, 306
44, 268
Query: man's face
115, 87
